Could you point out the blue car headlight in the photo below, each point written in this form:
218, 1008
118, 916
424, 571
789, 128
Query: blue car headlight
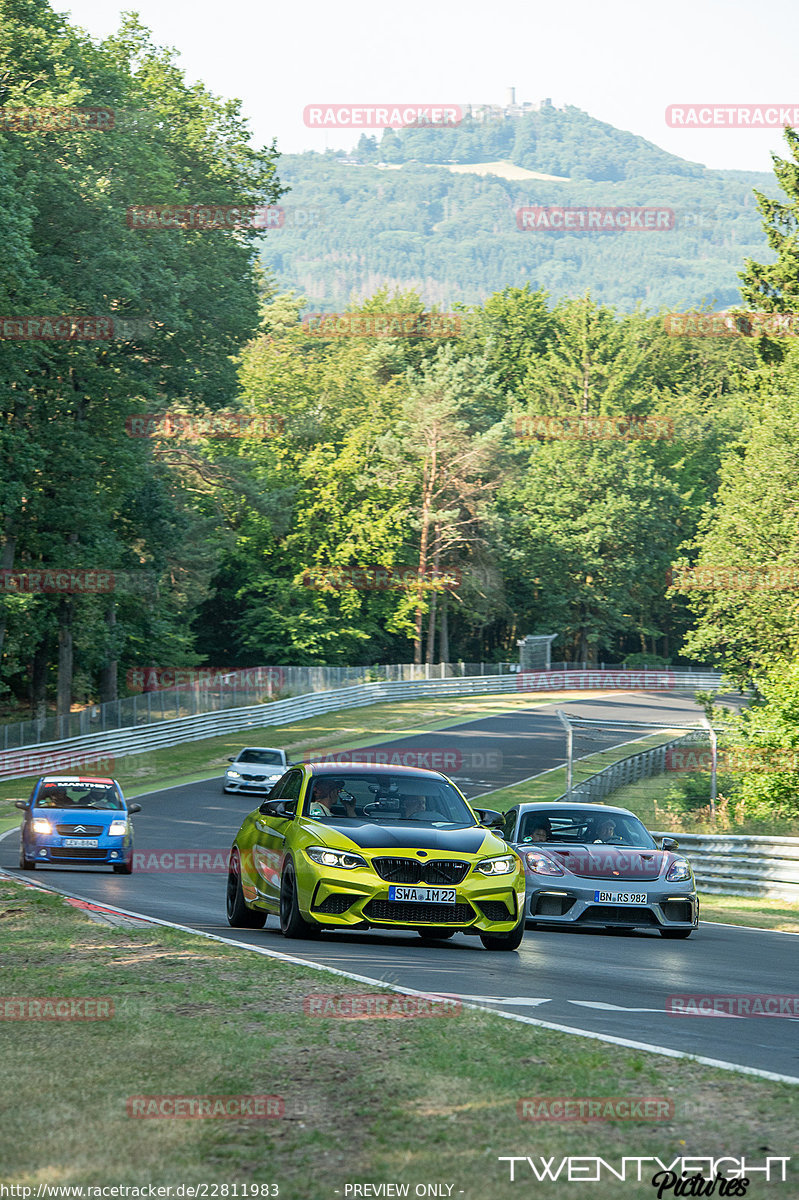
335, 858
117, 828
679, 870
40, 825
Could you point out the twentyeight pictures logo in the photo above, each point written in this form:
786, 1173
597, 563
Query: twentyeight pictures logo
382, 116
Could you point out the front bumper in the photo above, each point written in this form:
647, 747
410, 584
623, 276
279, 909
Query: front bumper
343, 899
567, 904
53, 852
261, 788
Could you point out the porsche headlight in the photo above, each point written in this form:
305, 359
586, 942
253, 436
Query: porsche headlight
541, 865
680, 869
335, 858
498, 866
41, 826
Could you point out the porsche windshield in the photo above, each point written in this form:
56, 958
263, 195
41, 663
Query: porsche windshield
584, 827
386, 798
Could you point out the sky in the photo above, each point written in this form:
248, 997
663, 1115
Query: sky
622, 62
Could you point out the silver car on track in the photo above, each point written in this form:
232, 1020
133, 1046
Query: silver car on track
595, 866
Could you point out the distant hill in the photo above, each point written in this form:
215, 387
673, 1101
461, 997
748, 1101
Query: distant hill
435, 209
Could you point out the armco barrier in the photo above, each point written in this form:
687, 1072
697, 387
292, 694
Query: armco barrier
737, 865
118, 743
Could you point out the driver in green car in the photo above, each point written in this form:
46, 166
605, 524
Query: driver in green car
327, 797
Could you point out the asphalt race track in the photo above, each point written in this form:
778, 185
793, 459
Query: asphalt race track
612, 983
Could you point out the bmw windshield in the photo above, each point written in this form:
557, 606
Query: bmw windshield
382, 798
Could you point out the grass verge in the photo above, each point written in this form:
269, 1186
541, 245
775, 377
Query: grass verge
400, 1101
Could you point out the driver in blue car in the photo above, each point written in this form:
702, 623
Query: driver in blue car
328, 801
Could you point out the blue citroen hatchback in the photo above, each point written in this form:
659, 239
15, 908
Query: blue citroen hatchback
77, 821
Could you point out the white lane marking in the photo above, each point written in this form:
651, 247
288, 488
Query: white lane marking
530, 1001
664, 1051
615, 1007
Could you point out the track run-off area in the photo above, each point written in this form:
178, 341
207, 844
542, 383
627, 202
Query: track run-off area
613, 985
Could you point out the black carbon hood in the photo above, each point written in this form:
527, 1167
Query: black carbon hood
405, 835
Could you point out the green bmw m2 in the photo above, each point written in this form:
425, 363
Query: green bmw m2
356, 846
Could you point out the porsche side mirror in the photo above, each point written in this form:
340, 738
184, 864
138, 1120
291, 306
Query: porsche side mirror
670, 843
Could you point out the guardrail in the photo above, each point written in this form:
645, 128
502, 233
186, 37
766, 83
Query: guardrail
642, 765
737, 865
118, 743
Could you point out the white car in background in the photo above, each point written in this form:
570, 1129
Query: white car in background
255, 769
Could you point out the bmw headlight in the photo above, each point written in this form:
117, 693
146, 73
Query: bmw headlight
541, 865
41, 826
335, 858
680, 869
117, 828
231, 774
498, 866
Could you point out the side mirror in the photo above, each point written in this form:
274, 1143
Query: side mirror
20, 804
278, 808
670, 843
232, 759
133, 808
490, 817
